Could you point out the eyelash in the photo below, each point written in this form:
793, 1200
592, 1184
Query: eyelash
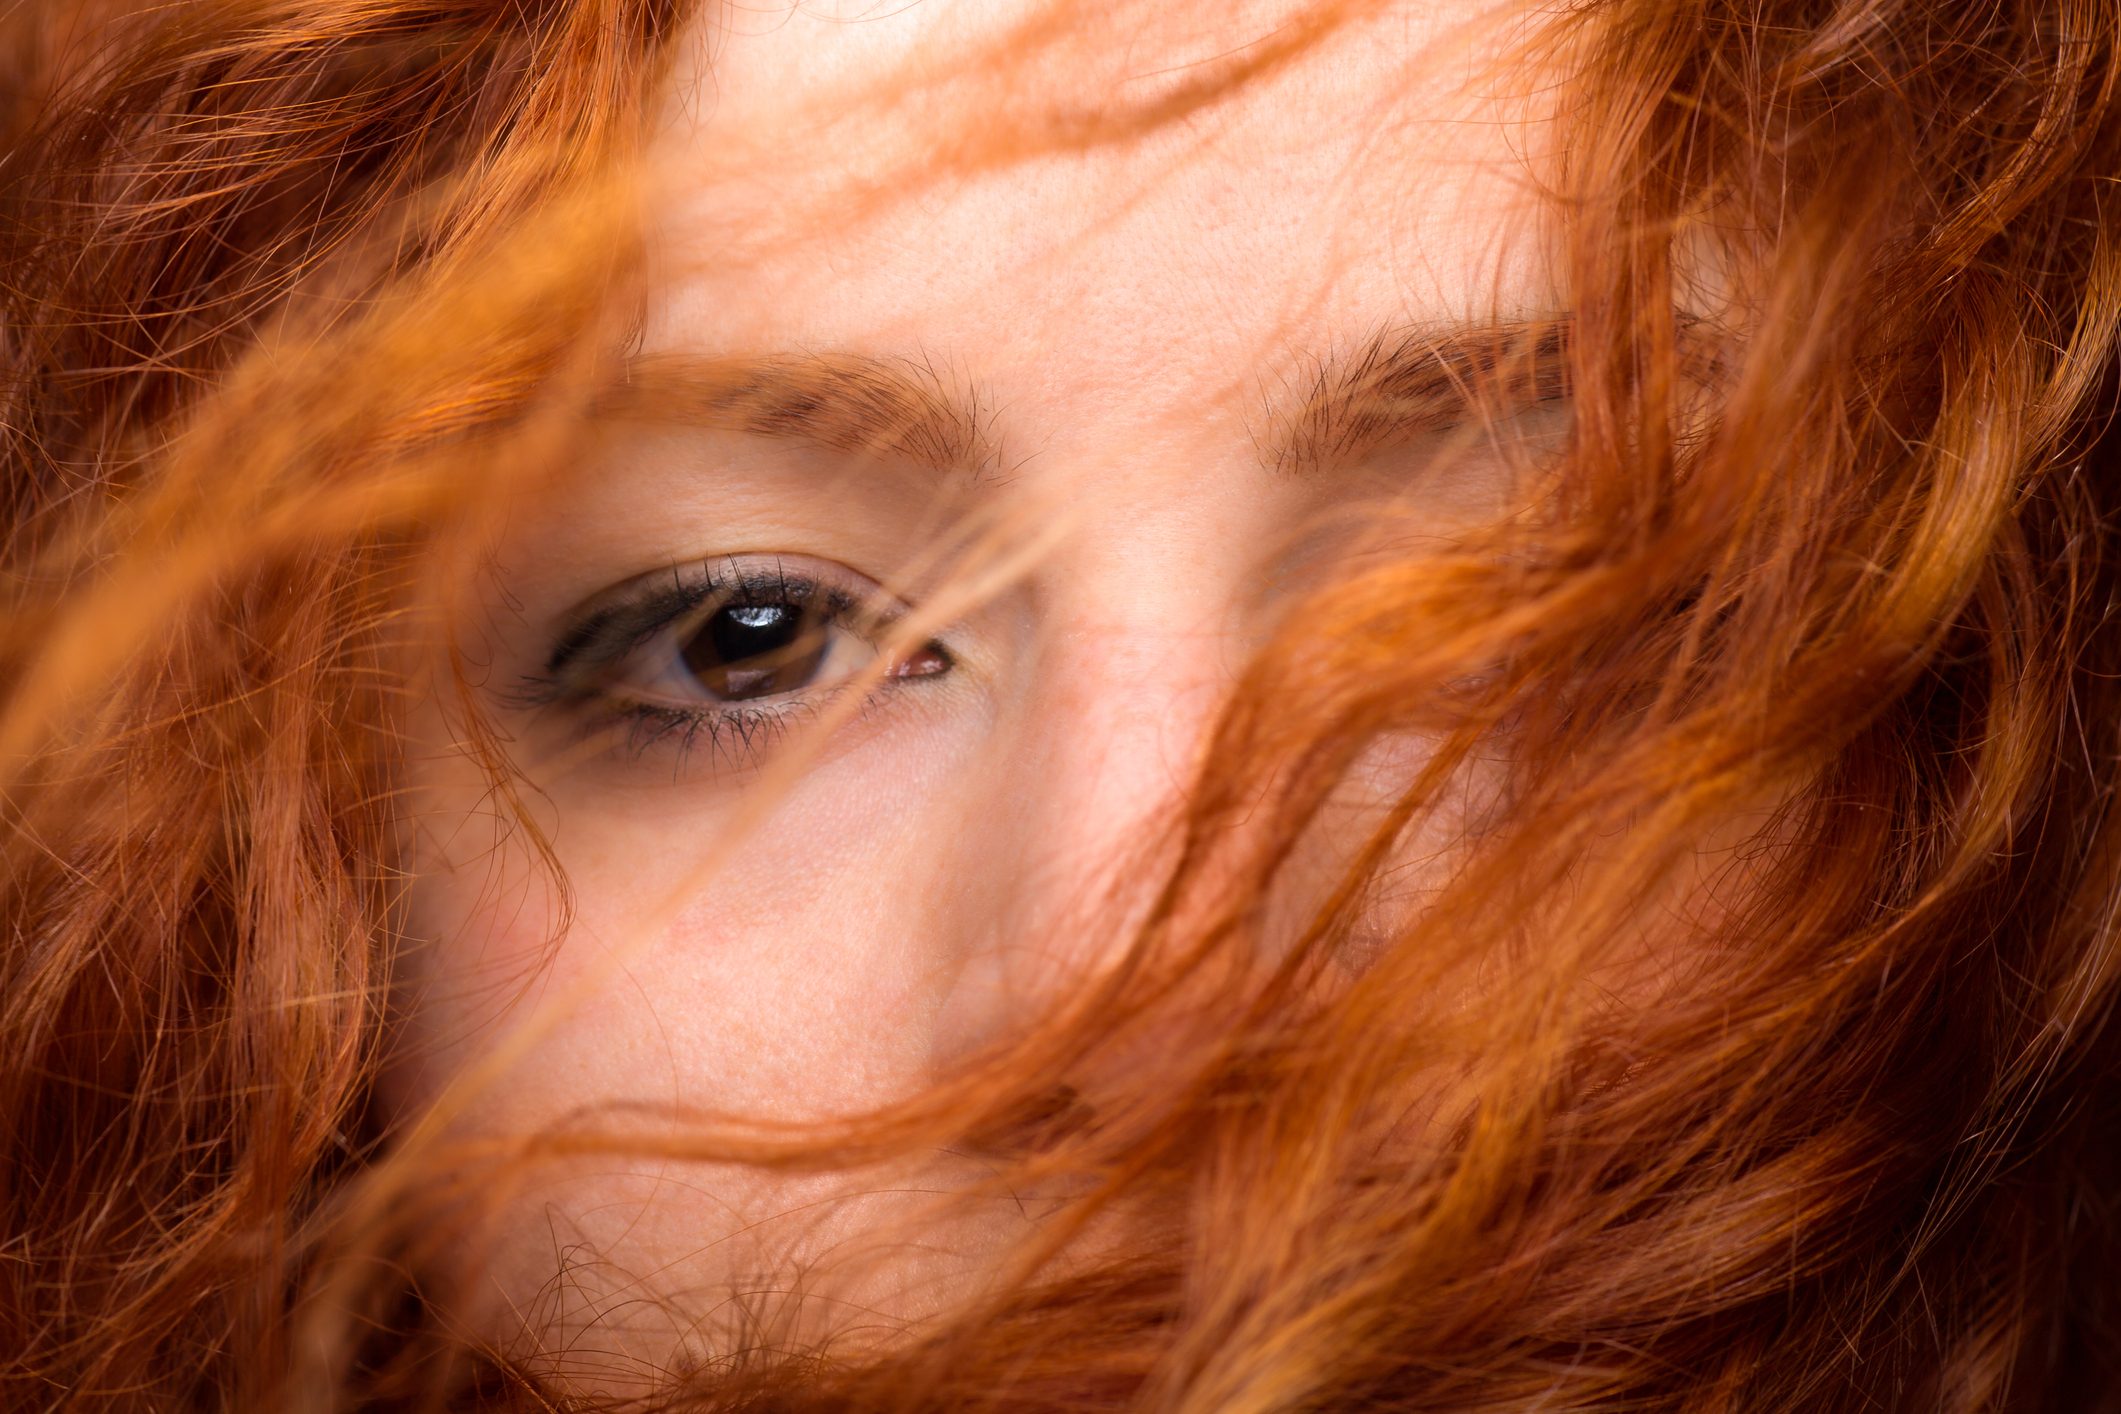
733, 736
582, 673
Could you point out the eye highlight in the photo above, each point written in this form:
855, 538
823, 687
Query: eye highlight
728, 652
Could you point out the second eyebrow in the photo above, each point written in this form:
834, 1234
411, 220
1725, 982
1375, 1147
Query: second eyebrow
1401, 384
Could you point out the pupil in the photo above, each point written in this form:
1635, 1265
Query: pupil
756, 650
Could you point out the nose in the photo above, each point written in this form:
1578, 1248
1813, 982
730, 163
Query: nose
1074, 818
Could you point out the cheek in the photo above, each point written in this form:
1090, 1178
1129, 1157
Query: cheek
786, 977
1413, 855
800, 978
481, 923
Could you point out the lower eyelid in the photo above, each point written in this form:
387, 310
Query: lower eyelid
648, 727
752, 727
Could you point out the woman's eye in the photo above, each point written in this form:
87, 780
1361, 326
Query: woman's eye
736, 643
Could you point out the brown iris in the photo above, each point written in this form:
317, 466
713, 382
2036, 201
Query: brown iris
743, 651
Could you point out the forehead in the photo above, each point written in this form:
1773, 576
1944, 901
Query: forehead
1066, 198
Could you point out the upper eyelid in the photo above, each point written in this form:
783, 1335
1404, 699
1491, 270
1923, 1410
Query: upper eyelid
579, 641
639, 616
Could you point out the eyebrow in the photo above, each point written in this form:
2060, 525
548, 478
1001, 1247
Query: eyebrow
853, 403
1404, 382
1395, 386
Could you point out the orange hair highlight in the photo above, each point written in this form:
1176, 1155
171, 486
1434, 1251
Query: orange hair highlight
294, 288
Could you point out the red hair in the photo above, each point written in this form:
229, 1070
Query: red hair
1826, 575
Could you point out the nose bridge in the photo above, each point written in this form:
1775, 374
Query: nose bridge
1119, 730
1073, 828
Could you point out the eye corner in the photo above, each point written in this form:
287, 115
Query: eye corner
930, 659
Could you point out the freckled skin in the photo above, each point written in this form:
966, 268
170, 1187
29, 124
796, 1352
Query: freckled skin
1123, 315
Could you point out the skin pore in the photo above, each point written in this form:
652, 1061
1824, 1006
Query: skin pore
1103, 356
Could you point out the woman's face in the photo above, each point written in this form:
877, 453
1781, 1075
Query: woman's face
812, 865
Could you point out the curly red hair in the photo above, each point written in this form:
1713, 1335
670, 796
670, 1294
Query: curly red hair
1832, 551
